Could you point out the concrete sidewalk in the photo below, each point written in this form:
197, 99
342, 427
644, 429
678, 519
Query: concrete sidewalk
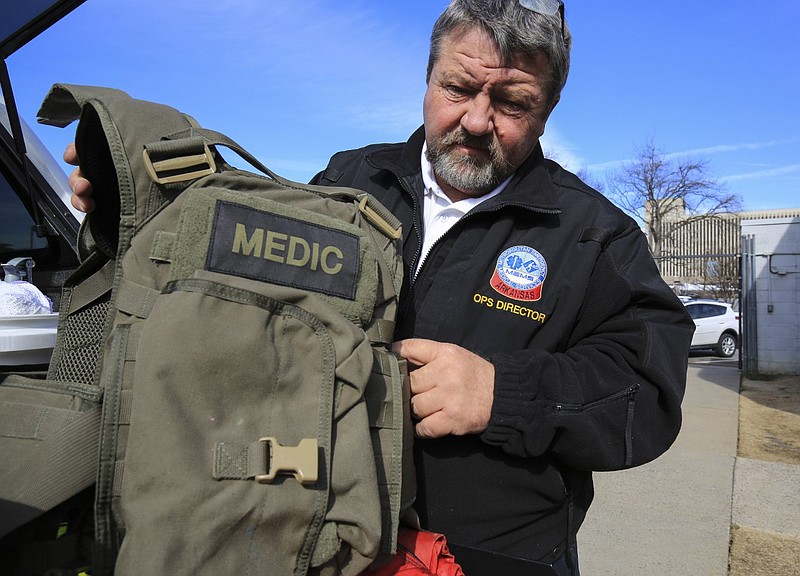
672, 516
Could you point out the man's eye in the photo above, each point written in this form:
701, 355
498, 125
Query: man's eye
454, 90
510, 107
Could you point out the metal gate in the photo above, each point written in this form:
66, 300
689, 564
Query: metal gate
748, 351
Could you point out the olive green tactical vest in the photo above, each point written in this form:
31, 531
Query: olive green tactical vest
222, 372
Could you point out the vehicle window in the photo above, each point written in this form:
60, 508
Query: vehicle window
706, 311
16, 225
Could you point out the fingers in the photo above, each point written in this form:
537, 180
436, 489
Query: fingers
418, 351
81, 188
71, 154
424, 404
452, 388
85, 205
431, 426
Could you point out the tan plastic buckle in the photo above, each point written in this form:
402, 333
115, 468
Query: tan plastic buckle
300, 461
377, 220
156, 169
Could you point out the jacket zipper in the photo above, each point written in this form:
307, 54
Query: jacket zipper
414, 558
630, 394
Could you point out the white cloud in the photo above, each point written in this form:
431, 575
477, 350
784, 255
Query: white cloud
709, 150
558, 148
606, 166
780, 171
388, 117
722, 148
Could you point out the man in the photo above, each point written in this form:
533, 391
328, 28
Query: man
544, 344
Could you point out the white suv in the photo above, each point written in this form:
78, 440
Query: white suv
717, 326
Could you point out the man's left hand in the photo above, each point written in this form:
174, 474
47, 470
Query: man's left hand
452, 389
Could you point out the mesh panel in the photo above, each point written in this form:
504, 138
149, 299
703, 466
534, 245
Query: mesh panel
82, 345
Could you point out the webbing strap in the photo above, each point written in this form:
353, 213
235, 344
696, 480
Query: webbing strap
381, 331
92, 288
195, 151
390, 231
379, 412
386, 395
135, 299
58, 468
163, 246
184, 155
32, 421
217, 138
233, 461
262, 461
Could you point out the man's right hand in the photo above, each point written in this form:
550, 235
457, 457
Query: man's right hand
81, 188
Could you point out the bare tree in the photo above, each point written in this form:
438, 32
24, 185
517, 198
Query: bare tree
666, 194
590, 179
721, 279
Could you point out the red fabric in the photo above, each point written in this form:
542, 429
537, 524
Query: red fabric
419, 553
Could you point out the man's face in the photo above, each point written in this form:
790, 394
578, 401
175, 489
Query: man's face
482, 120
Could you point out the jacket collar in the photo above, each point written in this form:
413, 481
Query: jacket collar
531, 187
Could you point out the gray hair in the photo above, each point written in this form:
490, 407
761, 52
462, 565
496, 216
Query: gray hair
516, 30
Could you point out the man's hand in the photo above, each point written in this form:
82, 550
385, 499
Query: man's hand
81, 188
452, 389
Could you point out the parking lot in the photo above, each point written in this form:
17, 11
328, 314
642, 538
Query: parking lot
707, 357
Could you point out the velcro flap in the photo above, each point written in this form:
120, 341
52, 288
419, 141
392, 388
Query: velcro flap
257, 238
269, 247
31, 421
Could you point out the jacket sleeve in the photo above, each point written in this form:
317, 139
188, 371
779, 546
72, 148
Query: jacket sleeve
612, 398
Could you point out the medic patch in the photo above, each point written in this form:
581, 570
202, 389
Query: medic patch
264, 246
520, 274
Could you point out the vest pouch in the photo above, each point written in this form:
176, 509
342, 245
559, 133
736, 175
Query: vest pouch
48, 439
241, 387
49, 432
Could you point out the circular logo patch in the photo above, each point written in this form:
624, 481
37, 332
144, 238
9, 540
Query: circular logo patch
520, 274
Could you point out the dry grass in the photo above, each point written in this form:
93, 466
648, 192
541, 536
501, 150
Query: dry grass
758, 553
769, 420
769, 430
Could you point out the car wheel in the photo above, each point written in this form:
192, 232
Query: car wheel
726, 345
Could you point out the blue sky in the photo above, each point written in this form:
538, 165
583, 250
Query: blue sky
295, 81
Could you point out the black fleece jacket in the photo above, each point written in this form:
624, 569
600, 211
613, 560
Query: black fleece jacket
557, 288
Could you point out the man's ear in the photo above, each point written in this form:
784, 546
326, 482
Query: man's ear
555, 102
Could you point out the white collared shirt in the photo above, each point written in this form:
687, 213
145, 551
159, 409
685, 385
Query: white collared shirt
439, 213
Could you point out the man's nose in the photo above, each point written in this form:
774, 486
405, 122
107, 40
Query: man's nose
479, 116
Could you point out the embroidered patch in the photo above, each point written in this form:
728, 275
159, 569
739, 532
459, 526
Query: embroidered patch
520, 274
268, 247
